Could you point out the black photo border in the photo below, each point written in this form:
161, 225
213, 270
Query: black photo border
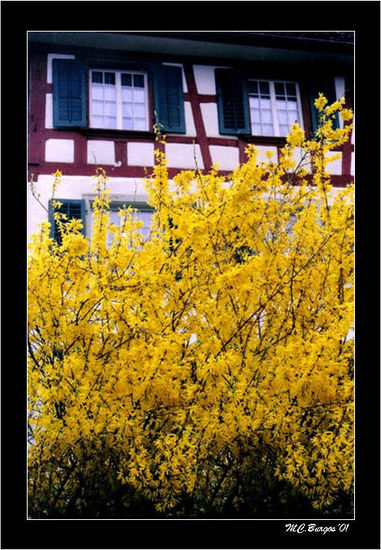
18, 18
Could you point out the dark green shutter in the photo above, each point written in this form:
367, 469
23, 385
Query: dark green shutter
169, 98
326, 87
73, 208
232, 102
69, 93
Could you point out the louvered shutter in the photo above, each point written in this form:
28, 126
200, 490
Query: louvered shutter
232, 102
169, 98
326, 87
73, 208
69, 93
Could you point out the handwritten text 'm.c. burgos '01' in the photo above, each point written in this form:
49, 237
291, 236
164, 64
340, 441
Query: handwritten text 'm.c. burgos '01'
299, 528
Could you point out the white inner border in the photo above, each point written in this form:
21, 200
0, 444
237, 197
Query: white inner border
298, 520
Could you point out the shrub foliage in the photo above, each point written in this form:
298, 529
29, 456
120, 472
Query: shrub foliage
205, 370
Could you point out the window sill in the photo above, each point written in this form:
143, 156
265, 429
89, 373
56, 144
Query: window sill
265, 140
117, 134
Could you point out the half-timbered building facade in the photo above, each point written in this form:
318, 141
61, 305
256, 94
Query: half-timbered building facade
95, 97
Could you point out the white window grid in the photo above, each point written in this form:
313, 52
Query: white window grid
138, 113
274, 110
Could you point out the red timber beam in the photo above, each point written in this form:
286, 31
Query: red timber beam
197, 116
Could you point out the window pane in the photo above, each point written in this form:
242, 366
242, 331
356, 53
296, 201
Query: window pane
255, 116
145, 231
126, 94
126, 80
146, 218
292, 117
110, 108
140, 124
265, 104
109, 78
264, 88
114, 217
267, 116
127, 109
96, 76
97, 92
291, 89
282, 117
97, 121
256, 129
139, 96
268, 130
291, 101
254, 102
128, 124
115, 220
110, 122
138, 81
97, 107
281, 105
140, 110
284, 129
109, 93
279, 88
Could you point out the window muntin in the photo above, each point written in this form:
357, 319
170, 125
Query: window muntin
118, 100
274, 106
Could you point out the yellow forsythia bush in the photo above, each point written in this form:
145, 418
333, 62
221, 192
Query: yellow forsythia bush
209, 364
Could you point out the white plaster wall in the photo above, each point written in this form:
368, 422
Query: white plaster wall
59, 150
140, 154
297, 156
82, 188
227, 157
333, 194
205, 79
76, 187
48, 110
180, 155
335, 167
51, 56
189, 121
100, 152
210, 118
263, 149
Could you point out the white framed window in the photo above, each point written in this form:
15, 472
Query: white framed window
118, 100
143, 214
274, 106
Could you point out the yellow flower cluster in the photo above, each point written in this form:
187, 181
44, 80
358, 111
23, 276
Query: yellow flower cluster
212, 357
320, 102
